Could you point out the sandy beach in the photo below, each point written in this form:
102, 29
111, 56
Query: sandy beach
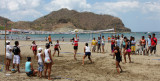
143, 68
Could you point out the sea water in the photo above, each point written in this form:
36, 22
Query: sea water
84, 37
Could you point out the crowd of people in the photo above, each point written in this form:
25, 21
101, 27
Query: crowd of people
120, 46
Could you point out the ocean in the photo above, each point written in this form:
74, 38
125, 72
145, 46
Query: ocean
83, 37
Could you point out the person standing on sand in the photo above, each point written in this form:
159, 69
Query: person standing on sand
34, 48
50, 39
87, 52
117, 42
48, 62
75, 43
121, 41
153, 43
109, 39
17, 55
99, 42
93, 44
127, 50
40, 62
112, 44
103, 43
143, 44
8, 55
133, 45
118, 55
56, 48
148, 44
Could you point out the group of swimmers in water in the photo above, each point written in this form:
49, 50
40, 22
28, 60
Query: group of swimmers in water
119, 45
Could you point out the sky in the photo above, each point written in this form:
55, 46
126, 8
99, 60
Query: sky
138, 15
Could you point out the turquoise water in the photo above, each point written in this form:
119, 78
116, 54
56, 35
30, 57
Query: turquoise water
82, 37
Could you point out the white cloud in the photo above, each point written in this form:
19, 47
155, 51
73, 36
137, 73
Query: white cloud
114, 7
13, 5
33, 8
79, 5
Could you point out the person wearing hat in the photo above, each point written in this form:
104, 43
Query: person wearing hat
29, 68
8, 55
40, 62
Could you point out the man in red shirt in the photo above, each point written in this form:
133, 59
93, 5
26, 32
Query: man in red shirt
153, 43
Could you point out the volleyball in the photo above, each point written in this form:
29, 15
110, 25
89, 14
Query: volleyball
13, 70
76, 30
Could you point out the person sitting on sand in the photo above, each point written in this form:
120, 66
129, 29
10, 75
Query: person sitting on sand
34, 48
99, 42
17, 55
118, 55
75, 43
127, 50
87, 52
56, 48
93, 44
40, 62
8, 55
29, 68
48, 61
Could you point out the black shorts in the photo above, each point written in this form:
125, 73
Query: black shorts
75, 47
99, 45
56, 49
30, 73
119, 59
88, 53
153, 48
112, 47
124, 46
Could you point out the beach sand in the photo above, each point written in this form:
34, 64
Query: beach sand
143, 68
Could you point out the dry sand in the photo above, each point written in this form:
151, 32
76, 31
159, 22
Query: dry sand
143, 68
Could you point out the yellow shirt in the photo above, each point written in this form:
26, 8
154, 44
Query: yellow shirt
49, 38
94, 42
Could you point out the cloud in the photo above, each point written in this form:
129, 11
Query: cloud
114, 7
35, 8
79, 5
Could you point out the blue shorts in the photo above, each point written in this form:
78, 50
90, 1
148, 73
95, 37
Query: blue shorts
40, 67
88, 53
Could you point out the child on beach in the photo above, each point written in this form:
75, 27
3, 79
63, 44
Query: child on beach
34, 48
17, 55
56, 48
40, 62
29, 68
99, 45
118, 55
47, 61
8, 55
87, 52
